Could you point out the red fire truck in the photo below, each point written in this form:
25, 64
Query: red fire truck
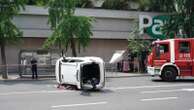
171, 58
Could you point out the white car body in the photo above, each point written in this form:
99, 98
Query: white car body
79, 71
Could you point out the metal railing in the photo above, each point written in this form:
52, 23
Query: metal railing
25, 70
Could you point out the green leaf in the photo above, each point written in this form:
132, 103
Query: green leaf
66, 26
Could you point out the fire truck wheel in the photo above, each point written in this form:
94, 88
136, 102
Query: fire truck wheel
169, 74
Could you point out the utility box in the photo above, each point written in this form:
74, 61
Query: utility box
83, 72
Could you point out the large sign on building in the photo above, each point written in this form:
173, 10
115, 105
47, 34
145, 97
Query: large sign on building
152, 25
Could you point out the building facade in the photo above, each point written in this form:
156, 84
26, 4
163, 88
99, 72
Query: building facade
110, 31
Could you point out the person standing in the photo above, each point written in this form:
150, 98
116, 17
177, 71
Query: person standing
34, 68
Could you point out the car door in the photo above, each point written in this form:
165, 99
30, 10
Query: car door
162, 54
68, 72
183, 57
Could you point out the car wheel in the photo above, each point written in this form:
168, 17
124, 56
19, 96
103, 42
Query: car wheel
169, 74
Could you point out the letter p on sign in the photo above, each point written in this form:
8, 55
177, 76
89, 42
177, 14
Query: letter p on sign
144, 21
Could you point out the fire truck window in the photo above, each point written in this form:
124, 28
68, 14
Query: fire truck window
184, 47
164, 48
161, 49
157, 51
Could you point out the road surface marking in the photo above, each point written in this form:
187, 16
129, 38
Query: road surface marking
166, 91
159, 99
111, 88
34, 92
154, 86
76, 105
161, 91
188, 89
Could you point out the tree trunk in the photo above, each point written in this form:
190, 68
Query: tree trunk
4, 64
73, 49
61, 50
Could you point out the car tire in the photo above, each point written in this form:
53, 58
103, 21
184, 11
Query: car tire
169, 74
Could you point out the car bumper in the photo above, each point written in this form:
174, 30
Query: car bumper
153, 71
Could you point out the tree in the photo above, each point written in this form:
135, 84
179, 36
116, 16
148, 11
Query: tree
37, 2
116, 4
85, 4
155, 5
161, 5
181, 19
9, 33
142, 5
138, 47
68, 30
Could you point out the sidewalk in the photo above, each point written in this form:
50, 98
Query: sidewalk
44, 77
16, 77
10, 77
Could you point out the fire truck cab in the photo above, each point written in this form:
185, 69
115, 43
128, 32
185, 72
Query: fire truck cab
171, 58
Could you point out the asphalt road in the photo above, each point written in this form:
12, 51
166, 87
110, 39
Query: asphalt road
132, 93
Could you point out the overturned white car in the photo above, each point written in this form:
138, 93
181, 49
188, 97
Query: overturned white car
83, 72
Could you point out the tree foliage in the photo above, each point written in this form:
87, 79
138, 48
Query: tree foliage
116, 4
161, 5
155, 5
181, 19
80, 3
138, 47
68, 30
37, 2
9, 33
135, 43
143, 5
85, 4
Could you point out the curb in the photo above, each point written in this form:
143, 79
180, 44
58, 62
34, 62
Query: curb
28, 78
43, 78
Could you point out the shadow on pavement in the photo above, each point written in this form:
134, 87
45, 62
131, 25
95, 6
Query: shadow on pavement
90, 92
176, 81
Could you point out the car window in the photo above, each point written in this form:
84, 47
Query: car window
164, 48
184, 47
